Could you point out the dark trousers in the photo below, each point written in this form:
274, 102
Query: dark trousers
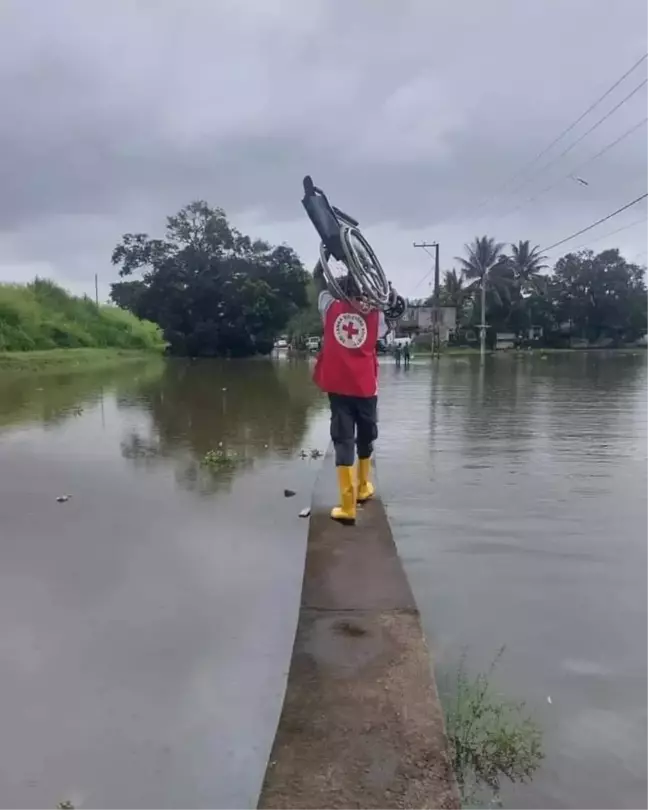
354, 420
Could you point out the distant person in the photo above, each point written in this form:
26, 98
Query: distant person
397, 354
347, 370
406, 354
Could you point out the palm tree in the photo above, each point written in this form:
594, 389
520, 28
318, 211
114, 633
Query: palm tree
526, 263
453, 290
486, 265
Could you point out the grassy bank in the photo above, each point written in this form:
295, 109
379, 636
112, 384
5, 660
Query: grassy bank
41, 316
69, 359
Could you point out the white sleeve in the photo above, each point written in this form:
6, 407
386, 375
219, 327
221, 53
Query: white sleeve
383, 328
324, 301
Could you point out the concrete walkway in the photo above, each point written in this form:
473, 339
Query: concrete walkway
361, 724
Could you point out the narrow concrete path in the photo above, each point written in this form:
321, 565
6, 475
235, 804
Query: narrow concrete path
361, 724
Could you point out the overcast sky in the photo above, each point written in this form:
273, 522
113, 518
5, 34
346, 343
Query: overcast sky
409, 113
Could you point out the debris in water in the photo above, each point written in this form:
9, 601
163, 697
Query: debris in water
220, 460
65, 805
63, 498
303, 454
288, 493
305, 512
316, 453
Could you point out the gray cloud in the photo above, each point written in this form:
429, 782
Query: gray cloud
409, 113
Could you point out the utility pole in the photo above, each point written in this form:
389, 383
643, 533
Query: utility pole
436, 310
97, 290
482, 325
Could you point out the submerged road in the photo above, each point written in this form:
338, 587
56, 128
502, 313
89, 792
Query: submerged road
146, 624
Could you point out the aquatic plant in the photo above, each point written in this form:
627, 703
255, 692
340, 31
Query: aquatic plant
491, 738
220, 460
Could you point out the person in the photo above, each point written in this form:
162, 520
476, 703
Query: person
347, 370
406, 354
397, 354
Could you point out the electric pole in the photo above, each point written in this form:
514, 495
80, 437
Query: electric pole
97, 290
436, 310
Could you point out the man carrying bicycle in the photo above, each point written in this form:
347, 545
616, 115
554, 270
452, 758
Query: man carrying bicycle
347, 370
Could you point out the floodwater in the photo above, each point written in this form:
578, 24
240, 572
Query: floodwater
146, 623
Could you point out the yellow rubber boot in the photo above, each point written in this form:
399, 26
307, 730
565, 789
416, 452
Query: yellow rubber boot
346, 511
365, 488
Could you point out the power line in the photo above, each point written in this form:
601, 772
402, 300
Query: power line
634, 224
575, 123
427, 272
566, 131
598, 222
575, 169
588, 131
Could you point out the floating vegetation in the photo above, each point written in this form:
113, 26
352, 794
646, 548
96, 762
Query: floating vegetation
221, 460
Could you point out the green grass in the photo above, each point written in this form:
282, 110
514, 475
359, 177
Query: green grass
491, 738
41, 316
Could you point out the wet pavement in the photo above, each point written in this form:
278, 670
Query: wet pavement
146, 624
361, 724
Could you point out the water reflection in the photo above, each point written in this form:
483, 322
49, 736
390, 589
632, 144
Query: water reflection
249, 409
153, 626
50, 398
517, 495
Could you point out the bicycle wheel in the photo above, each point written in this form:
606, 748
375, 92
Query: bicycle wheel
365, 267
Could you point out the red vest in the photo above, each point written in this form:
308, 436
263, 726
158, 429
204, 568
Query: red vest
347, 363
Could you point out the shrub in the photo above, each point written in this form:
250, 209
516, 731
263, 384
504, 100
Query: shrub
42, 315
490, 737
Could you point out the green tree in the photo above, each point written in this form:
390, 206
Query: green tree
308, 320
453, 289
486, 268
600, 295
529, 285
526, 264
213, 290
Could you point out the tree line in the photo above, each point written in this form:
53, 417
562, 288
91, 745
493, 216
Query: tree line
213, 290
217, 292
595, 297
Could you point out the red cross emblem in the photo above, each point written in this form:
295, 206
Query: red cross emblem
350, 330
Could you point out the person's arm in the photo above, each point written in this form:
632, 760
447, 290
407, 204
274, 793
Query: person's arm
318, 278
383, 326
324, 297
